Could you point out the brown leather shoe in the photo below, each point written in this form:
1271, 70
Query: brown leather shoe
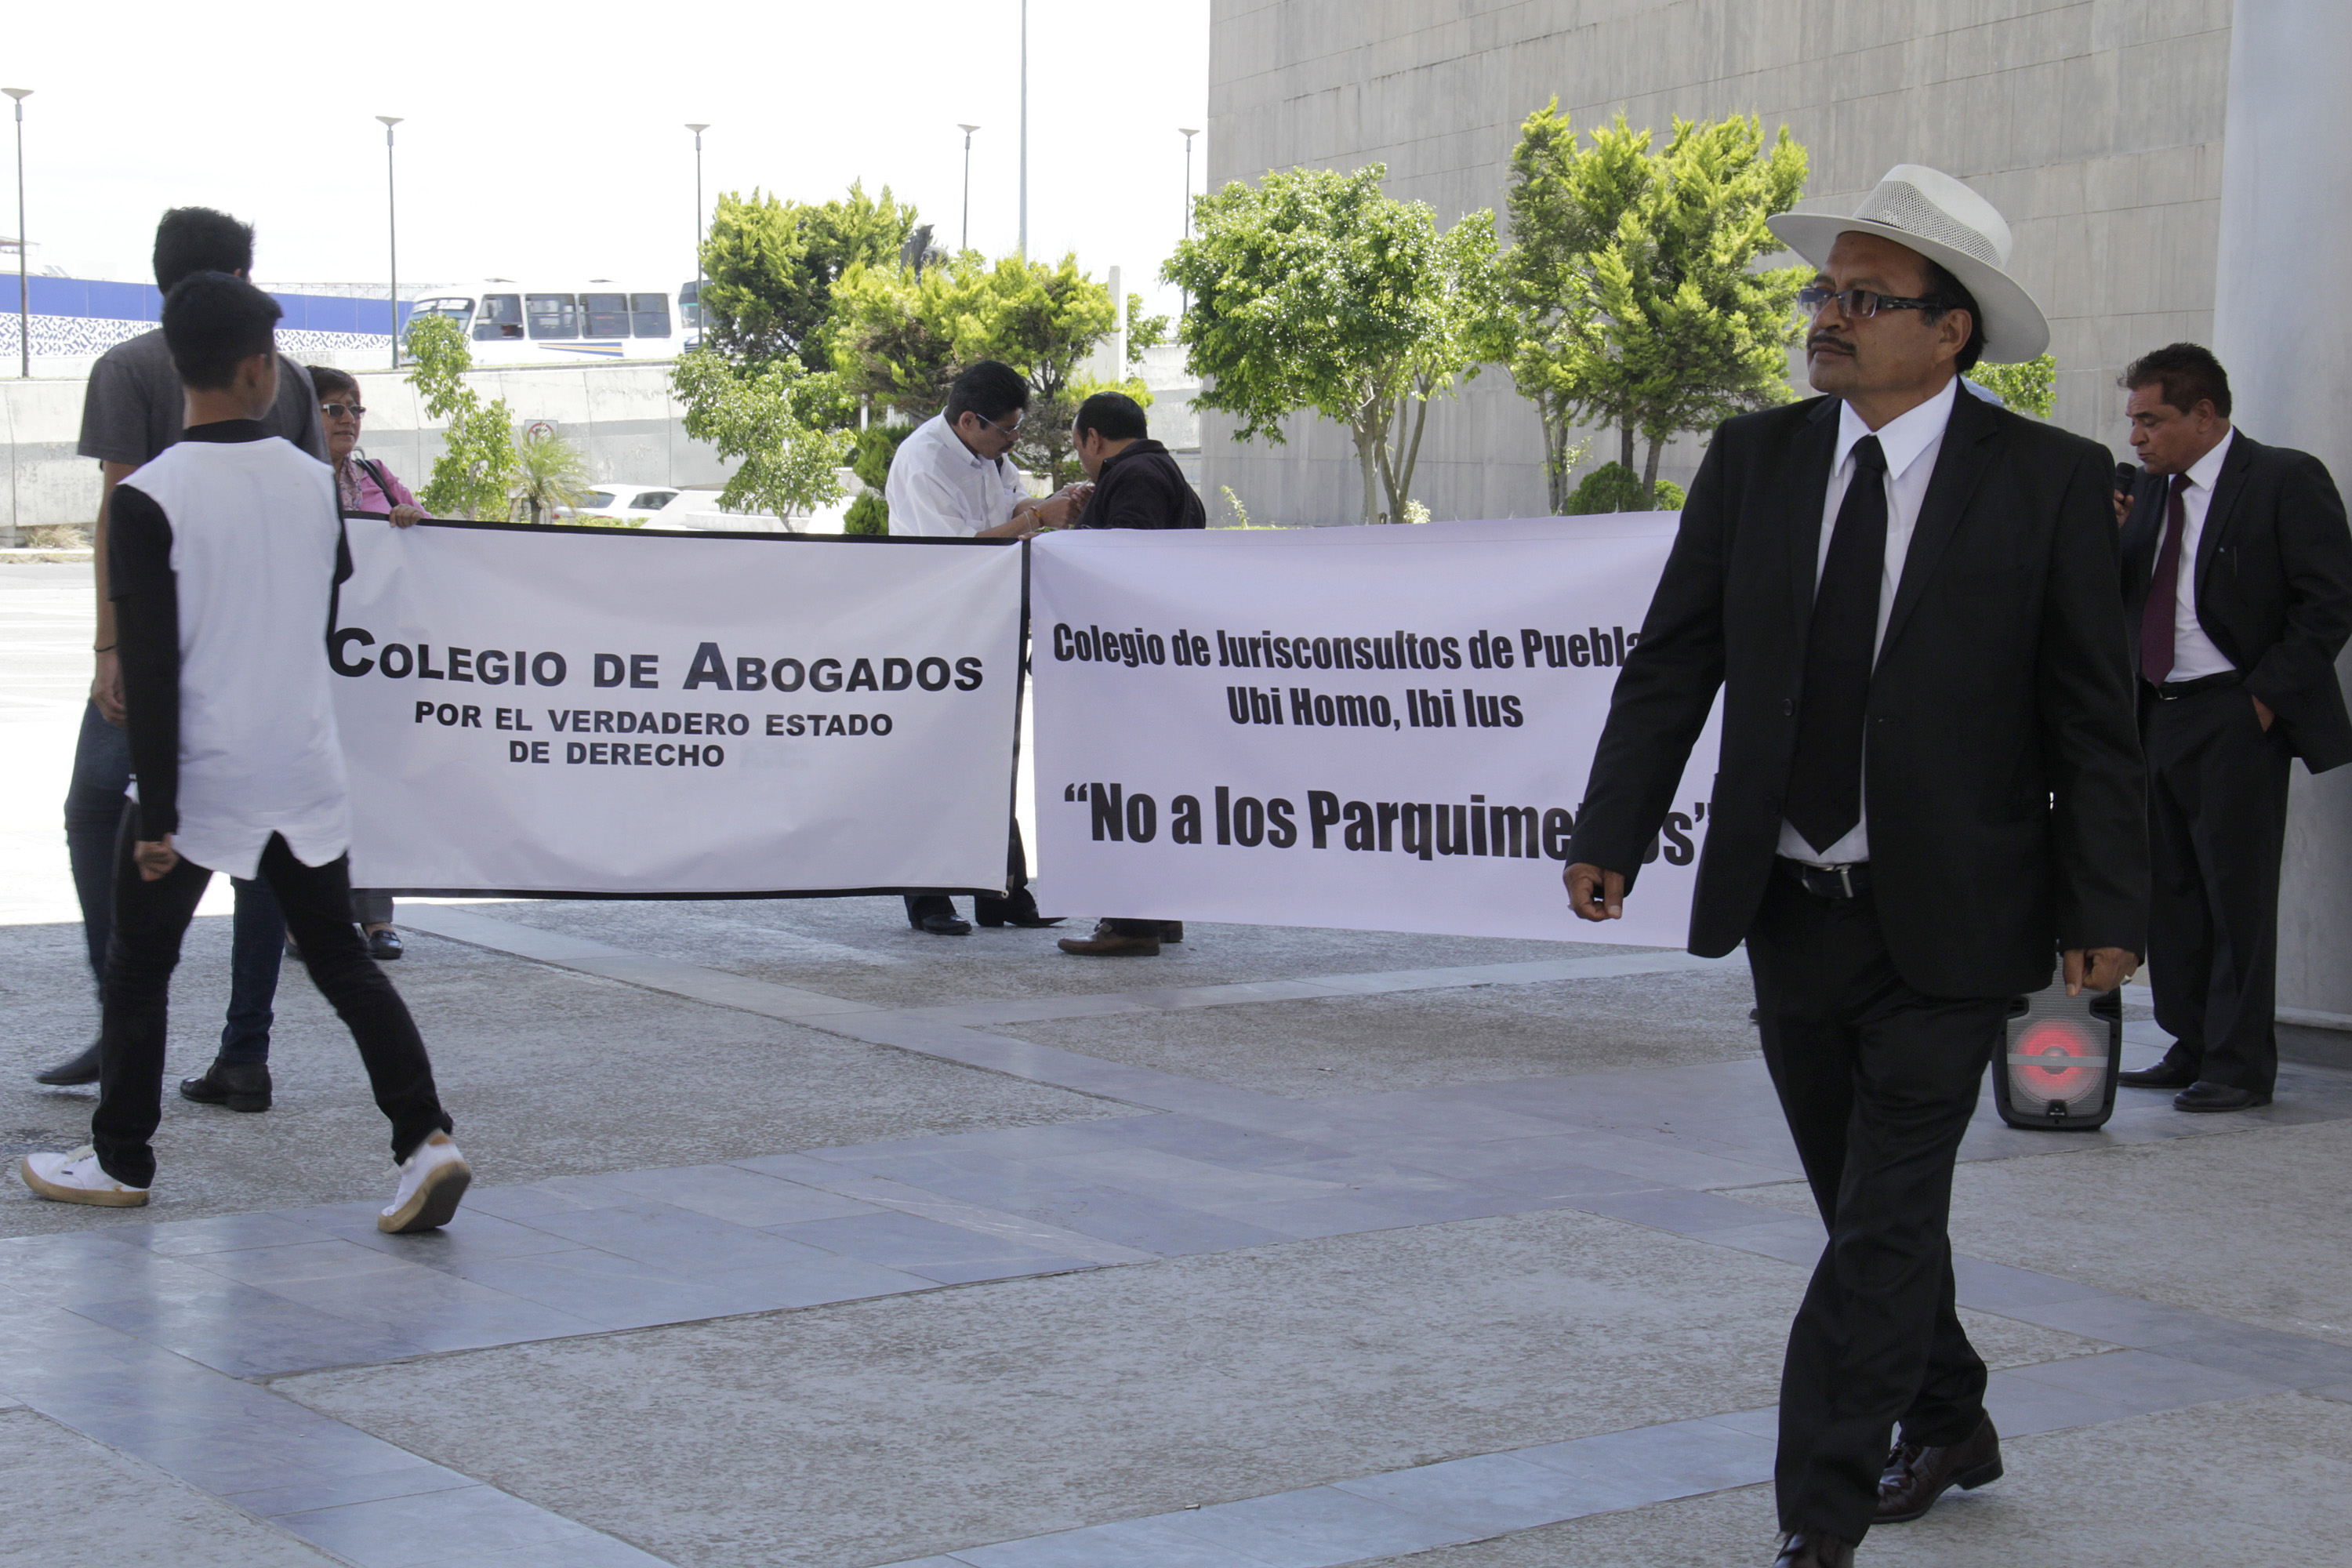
1916, 1476
1810, 1549
1107, 943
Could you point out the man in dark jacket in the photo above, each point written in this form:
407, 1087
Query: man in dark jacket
1929, 788
1136, 485
2238, 587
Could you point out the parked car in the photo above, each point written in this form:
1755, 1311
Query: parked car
618, 500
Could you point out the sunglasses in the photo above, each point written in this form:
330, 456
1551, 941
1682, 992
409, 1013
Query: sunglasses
1860, 304
343, 410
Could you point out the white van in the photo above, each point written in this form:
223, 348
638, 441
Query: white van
508, 322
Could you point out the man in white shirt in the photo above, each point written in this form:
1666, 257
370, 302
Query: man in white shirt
951, 479
223, 552
2238, 585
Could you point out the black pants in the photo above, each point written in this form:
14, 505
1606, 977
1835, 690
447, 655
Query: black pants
987, 910
2217, 827
149, 919
1877, 1082
94, 810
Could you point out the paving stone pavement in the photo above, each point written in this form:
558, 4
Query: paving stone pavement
289, 1386
157, 1339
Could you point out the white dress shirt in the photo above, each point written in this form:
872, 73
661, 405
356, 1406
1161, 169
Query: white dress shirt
1910, 442
2193, 653
938, 488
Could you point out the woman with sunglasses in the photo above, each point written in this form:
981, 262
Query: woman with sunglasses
364, 485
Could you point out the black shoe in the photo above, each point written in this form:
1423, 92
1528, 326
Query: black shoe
1172, 930
2202, 1096
943, 925
1916, 1474
2108, 1004
1031, 921
2163, 1075
1809, 1549
240, 1086
384, 945
80, 1067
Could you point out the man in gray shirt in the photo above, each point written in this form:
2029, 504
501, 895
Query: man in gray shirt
132, 411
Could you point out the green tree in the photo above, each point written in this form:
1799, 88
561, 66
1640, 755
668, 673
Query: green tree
1632, 275
549, 472
903, 339
772, 415
476, 472
771, 267
2032, 387
1314, 290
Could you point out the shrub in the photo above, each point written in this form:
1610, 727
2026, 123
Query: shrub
869, 513
869, 457
1614, 487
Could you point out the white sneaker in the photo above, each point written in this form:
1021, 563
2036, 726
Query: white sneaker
76, 1178
432, 1180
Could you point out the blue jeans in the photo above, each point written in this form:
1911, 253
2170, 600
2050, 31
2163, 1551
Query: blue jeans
94, 804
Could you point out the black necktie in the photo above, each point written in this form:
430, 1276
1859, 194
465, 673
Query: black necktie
2157, 654
1825, 779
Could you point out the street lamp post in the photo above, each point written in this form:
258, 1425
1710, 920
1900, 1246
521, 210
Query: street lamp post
392, 230
701, 316
1188, 133
1024, 129
967, 130
24, 289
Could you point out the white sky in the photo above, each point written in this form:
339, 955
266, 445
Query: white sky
547, 140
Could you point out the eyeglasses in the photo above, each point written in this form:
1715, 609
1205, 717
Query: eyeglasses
343, 410
1860, 304
1009, 432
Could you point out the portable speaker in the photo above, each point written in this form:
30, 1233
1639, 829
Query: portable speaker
2058, 1071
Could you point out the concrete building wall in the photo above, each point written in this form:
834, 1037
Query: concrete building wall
2095, 125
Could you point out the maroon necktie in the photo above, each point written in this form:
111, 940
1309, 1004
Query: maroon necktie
2163, 591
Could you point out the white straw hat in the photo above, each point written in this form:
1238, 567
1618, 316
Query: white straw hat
1943, 220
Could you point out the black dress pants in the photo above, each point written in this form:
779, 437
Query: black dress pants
1877, 1082
1019, 906
2217, 828
151, 917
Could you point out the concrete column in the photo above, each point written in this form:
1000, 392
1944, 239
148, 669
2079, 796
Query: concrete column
2282, 317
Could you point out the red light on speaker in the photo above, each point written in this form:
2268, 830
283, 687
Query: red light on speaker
2057, 1059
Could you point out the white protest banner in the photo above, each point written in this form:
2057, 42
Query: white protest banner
609, 710
1384, 729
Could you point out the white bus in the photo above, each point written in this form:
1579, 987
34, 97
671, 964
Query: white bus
512, 323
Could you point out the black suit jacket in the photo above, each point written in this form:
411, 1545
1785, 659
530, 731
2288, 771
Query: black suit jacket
2274, 586
2004, 786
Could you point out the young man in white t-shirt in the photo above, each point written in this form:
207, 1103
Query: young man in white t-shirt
223, 554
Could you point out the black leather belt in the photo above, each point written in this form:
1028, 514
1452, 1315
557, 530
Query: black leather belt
1850, 881
2174, 691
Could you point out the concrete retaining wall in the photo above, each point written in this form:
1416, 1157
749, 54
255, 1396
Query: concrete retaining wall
622, 415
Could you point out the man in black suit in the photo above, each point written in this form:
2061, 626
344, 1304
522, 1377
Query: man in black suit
2238, 583
1929, 787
